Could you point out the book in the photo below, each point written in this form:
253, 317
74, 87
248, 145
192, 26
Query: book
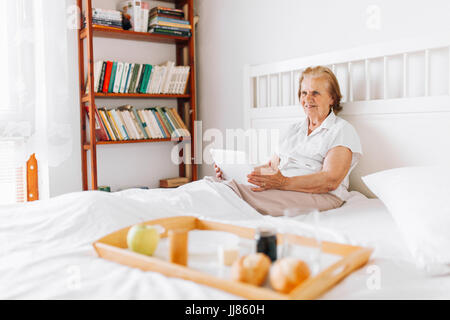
160, 122
146, 126
159, 30
126, 68
173, 182
113, 77
100, 131
119, 123
132, 121
171, 24
102, 113
111, 124
126, 115
141, 77
125, 125
102, 77
136, 71
116, 127
145, 14
125, 121
119, 74
172, 122
107, 77
166, 122
139, 123
155, 124
97, 73
146, 79
130, 75
167, 74
168, 11
155, 14
185, 132
157, 19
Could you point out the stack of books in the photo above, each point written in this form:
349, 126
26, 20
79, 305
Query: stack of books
123, 77
169, 22
129, 123
108, 18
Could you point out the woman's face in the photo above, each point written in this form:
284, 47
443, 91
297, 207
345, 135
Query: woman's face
314, 97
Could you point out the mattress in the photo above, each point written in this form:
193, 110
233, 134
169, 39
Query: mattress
46, 246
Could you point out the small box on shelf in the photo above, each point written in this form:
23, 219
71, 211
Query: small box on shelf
173, 182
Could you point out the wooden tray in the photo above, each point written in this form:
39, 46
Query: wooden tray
114, 247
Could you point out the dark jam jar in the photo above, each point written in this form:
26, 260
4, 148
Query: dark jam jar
266, 242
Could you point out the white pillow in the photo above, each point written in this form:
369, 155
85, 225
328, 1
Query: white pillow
418, 199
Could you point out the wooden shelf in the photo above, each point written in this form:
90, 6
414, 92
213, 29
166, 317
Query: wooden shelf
87, 146
107, 32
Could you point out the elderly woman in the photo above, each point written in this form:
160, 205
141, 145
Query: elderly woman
315, 155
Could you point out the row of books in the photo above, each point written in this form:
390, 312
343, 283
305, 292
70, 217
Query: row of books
123, 77
129, 123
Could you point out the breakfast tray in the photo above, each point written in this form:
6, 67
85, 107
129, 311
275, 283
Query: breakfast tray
114, 247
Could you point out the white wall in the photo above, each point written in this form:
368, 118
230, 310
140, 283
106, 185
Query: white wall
233, 33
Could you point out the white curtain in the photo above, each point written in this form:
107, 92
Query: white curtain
36, 95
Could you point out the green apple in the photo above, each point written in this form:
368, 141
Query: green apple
143, 239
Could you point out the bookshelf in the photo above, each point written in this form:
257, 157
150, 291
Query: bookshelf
182, 45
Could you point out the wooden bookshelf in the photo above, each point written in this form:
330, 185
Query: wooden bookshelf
85, 41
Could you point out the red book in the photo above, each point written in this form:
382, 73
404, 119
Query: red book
100, 131
109, 65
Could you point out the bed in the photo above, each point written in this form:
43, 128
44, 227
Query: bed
46, 246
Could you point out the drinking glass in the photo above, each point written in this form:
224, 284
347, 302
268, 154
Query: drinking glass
303, 222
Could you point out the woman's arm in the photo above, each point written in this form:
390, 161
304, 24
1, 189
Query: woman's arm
335, 168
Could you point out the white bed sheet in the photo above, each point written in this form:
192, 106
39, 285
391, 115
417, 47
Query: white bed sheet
46, 247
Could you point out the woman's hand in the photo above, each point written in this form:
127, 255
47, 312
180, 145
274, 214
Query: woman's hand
219, 174
265, 177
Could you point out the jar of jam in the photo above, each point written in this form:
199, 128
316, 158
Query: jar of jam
266, 242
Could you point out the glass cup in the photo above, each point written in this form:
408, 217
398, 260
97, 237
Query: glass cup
303, 222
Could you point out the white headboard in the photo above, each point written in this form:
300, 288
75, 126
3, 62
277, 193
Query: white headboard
396, 95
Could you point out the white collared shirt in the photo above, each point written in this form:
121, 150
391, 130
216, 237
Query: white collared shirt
301, 154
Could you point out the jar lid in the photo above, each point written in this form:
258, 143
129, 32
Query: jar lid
265, 232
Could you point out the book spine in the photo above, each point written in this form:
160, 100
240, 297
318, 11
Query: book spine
170, 32
141, 77
130, 75
136, 124
144, 85
166, 122
171, 24
126, 67
100, 131
107, 77
154, 124
113, 77
146, 125
136, 71
160, 122
170, 20
124, 125
119, 75
115, 125
107, 124
118, 123
128, 124
127, 116
172, 123
97, 70
185, 132
111, 124
102, 77
140, 125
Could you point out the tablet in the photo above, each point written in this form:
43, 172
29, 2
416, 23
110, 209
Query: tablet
233, 164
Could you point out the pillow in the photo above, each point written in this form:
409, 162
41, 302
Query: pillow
418, 198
